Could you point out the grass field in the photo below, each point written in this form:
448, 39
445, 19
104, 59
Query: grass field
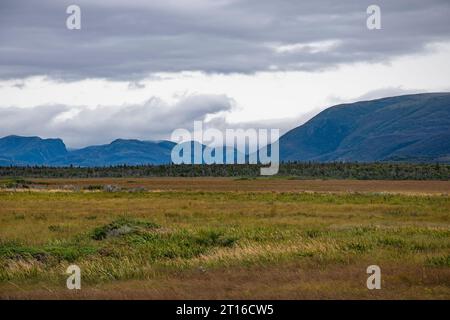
224, 238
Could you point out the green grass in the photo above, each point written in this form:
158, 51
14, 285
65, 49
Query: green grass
48, 254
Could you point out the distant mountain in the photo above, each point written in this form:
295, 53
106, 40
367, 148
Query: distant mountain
406, 128
132, 152
33, 151
15, 150
409, 128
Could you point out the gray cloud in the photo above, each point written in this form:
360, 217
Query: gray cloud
81, 126
130, 39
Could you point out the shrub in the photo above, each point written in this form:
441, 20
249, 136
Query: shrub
122, 226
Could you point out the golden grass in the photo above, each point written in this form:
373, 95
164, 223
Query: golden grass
216, 242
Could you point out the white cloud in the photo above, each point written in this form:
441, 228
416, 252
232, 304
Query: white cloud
311, 47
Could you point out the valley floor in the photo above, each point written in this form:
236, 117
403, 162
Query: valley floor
220, 238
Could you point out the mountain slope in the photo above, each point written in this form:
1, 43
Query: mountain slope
404, 128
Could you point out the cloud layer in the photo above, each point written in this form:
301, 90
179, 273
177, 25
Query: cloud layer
80, 126
130, 39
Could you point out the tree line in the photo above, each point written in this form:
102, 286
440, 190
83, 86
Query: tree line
300, 170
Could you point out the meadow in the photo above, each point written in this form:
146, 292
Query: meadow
227, 238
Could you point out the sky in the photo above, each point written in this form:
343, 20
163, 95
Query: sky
140, 69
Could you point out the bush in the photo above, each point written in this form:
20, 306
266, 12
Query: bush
122, 226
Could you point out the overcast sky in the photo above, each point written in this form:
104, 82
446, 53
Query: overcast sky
140, 69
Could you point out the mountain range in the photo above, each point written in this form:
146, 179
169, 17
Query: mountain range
409, 128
